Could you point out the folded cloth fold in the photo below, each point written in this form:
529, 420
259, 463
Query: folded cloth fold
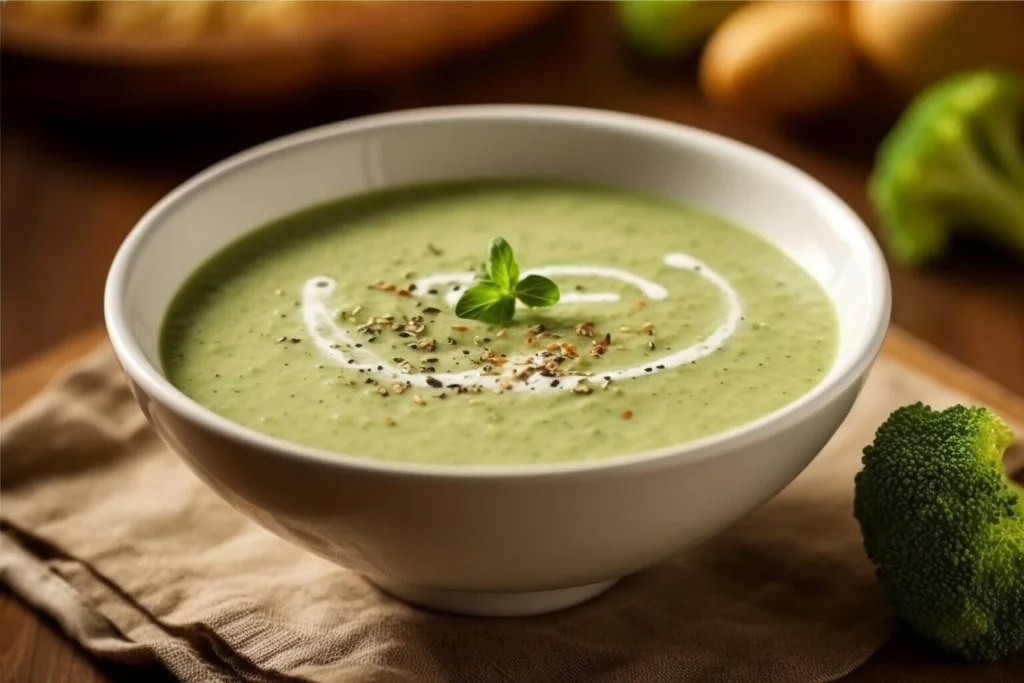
107, 532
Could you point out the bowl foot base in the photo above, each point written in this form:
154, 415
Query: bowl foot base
493, 604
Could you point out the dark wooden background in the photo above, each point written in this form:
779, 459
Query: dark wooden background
73, 185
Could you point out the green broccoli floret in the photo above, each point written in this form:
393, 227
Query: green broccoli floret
945, 527
954, 160
671, 29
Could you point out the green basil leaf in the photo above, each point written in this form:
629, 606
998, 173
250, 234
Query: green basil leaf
504, 269
487, 302
537, 290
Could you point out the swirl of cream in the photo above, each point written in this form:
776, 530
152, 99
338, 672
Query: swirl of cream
338, 345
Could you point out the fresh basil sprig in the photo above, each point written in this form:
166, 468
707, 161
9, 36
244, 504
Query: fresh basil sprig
492, 298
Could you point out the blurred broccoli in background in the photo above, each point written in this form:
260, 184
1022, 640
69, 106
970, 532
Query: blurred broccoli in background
953, 162
945, 527
671, 29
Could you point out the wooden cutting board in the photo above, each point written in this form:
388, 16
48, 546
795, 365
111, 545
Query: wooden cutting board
904, 659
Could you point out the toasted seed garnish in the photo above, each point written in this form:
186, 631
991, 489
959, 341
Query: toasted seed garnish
459, 328
278, 292
582, 387
356, 310
399, 388
650, 344
474, 401
418, 400
389, 422
585, 329
648, 328
501, 332
537, 329
626, 414
624, 330
639, 304
382, 391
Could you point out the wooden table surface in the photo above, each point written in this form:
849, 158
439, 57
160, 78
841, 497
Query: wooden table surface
72, 188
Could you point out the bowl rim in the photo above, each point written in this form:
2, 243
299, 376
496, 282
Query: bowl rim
152, 381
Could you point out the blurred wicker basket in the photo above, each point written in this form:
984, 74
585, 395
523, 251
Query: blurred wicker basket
193, 53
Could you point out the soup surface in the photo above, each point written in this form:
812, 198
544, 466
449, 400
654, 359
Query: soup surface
335, 327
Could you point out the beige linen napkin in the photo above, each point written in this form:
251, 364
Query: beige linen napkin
106, 531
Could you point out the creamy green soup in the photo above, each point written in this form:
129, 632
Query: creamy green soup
335, 327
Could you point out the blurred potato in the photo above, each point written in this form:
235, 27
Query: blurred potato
273, 16
49, 12
781, 59
912, 44
165, 18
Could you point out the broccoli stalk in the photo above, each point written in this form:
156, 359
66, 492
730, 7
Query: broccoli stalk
945, 527
954, 160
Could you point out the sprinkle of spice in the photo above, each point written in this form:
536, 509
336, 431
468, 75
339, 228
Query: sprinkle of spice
585, 329
626, 414
582, 387
600, 346
460, 328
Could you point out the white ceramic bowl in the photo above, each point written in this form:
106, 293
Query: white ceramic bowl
498, 540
